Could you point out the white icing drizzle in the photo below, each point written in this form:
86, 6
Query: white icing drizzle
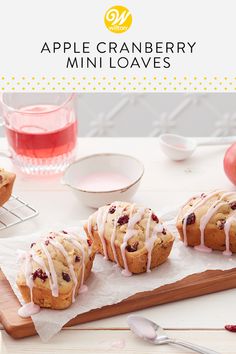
74, 240
28, 274
113, 235
227, 227
102, 215
149, 243
52, 271
101, 221
30, 308
42, 264
60, 247
203, 223
192, 210
130, 232
89, 225
206, 218
147, 231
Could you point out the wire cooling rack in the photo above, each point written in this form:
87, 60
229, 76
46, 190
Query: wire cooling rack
14, 211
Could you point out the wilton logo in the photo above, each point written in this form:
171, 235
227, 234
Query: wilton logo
118, 19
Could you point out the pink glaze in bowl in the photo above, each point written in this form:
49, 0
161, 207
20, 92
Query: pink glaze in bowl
103, 178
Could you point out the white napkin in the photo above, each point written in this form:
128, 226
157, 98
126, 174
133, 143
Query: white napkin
106, 284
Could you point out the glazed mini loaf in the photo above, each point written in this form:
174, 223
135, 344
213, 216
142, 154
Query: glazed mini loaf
129, 235
6, 184
208, 222
53, 272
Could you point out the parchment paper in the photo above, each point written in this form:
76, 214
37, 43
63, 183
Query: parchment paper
106, 284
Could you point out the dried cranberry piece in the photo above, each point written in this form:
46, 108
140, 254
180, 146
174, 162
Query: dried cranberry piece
32, 244
232, 205
112, 209
46, 242
164, 231
203, 195
221, 224
191, 219
77, 258
64, 232
132, 248
65, 276
89, 242
155, 218
231, 328
123, 220
39, 273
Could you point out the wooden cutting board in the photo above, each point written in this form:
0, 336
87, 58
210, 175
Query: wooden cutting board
195, 285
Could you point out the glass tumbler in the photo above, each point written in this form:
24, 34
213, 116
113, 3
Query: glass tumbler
41, 130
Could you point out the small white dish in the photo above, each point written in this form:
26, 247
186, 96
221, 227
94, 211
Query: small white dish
80, 174
177, 147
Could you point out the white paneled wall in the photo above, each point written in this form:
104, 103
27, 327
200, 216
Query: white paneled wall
153, 114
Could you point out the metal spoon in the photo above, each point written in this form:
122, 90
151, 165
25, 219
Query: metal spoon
151, 332
178, 147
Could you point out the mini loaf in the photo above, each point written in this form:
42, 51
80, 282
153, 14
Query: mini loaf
208, 222
130, 235
6, 184
54, 270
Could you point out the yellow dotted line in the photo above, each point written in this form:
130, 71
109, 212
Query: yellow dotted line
154, 83
134, 78
184, 88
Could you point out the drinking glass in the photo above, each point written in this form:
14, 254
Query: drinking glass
41, 130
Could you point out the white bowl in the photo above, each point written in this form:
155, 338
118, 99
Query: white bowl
127, 166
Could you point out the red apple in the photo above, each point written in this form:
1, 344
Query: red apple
230, 163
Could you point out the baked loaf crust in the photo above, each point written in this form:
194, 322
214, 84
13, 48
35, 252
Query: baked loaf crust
6, 184
208, 222
52, 273
129, 235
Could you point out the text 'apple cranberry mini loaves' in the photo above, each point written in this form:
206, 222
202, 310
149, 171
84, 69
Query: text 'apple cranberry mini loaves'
208, 222
130, 235
6, 184
53, 271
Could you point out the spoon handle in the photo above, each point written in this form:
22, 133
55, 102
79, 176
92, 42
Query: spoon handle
225, 140
193, 347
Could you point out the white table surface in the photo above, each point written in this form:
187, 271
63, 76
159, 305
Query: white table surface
165, 183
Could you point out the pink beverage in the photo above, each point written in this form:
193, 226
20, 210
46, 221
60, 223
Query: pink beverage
102, 182
40, 136
41, 130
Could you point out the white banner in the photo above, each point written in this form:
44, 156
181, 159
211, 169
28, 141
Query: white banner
118, 46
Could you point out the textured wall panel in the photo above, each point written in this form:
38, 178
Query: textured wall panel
153, 114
